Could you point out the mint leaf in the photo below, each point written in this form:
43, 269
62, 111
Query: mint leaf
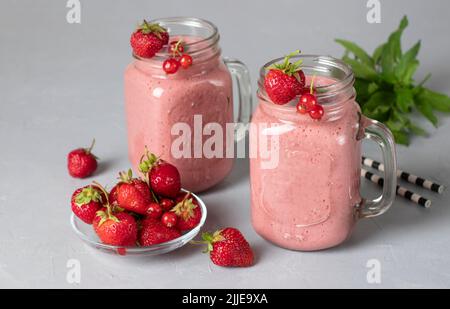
392, 52
400, 137
377, 53
359, 53
417, 130
362, 70
404, 99
438, 101
407, 64
385, 87
425, 108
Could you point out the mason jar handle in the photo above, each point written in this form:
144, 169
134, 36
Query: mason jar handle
379, 133
244, 89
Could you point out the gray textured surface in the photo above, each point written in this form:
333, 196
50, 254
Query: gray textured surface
61, 84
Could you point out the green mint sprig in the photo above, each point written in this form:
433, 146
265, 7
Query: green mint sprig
385, 87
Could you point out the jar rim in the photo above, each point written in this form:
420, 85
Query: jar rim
320, 64
196, 47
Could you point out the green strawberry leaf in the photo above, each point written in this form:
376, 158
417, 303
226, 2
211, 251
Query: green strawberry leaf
87, 195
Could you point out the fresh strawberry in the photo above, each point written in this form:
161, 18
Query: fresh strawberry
81, 163
113, 198
188, 212
86, 202
115, 228
155, 232
133, 194
228, 247
284, 80
164, 178
148, 39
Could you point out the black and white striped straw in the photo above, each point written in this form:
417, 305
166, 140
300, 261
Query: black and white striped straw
419, 181
403, 192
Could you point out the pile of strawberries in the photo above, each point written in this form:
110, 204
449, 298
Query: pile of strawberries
139, 211
149, 38
148, 211
285, 81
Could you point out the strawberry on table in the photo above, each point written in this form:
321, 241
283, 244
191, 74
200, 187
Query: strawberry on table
133, 194
188, 212
154, 232
81, 163
148, 39
284, 80
228, 247
86, 202
163, 177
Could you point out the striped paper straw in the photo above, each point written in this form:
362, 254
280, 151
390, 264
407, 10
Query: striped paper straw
419, 181
403, 192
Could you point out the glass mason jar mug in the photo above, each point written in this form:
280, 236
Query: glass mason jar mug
310, 199
163, 110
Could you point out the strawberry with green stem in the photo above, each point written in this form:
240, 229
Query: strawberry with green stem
133, 194
86, 201
284, 80
148, 39
228, 247
81, 162
188, 212
113, 226
163, 177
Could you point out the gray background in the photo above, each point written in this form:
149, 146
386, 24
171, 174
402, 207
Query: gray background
61, 85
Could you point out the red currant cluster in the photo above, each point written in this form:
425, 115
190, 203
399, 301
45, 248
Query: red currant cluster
177, 58
307, 104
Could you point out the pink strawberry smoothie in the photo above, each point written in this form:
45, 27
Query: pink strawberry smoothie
156, 101
307, 202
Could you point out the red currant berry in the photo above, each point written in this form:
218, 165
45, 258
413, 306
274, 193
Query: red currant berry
154, 210
176, 47
166, 204
316, 112
169, 219
171, 65
186, 61
301, 108
308, 101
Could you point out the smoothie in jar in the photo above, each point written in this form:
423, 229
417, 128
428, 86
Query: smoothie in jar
310, 200
159, 105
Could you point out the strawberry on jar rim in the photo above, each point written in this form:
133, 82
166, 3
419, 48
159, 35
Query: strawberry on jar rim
284, 80
148, 39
